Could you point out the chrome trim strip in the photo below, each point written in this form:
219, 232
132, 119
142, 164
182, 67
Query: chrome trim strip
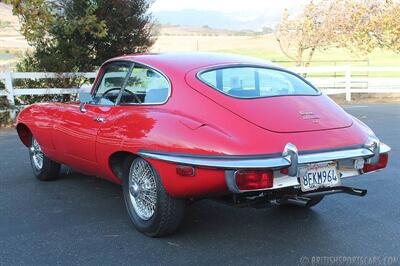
253, 163
220, 163
335, 155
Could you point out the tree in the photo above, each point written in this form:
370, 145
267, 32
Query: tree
327, 23
388, 34
301, 35
367, 24
355, 26
267, 30
383, 27
78, 35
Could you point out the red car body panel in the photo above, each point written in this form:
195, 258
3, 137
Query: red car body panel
195, 120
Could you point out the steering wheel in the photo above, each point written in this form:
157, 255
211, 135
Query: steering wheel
108, 91
127, 91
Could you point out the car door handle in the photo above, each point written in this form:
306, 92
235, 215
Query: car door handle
100, 119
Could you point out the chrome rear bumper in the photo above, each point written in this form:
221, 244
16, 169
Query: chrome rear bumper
290, 158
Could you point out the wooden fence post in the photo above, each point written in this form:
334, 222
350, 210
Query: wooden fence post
10, 88
348, 83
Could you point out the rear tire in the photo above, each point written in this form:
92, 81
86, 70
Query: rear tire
43, 168
152, 211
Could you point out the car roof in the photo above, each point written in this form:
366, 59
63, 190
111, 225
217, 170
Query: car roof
187, 61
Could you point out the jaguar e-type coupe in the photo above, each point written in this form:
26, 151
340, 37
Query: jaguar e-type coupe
175, 128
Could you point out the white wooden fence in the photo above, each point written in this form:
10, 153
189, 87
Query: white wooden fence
331, 80
10, 92
348, 79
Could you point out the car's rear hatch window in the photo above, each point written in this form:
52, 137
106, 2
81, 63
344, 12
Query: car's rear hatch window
273, 99
256, 82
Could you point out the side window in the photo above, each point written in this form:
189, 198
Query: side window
145, 86
111, 83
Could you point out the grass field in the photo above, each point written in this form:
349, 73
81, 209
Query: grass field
178, 38
265, 47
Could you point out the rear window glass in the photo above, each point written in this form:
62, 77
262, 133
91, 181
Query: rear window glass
256, 82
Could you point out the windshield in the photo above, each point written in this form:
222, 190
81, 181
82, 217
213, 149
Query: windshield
256, 82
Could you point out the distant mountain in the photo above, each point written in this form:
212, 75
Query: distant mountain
218, 20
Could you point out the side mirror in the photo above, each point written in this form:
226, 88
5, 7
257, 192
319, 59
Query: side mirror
85, 97
84, 94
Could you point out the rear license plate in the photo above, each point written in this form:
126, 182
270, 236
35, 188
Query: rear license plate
316, 176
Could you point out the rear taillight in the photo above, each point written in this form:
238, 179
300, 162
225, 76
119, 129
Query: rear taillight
254, 179
383, 160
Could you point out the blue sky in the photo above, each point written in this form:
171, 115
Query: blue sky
230, 6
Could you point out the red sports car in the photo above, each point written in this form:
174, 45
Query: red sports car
175, 128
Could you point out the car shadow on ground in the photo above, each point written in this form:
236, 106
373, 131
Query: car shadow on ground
207, 219
209, 216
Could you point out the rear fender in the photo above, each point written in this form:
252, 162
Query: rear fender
205, 182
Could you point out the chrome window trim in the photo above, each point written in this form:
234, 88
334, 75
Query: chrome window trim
243, 65
137, 63
96, 86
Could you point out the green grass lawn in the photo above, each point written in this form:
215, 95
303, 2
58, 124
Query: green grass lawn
329, 57
332, 57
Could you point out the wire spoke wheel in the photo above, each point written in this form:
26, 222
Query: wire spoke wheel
43, 167
152, 211
143, 189
37, 154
